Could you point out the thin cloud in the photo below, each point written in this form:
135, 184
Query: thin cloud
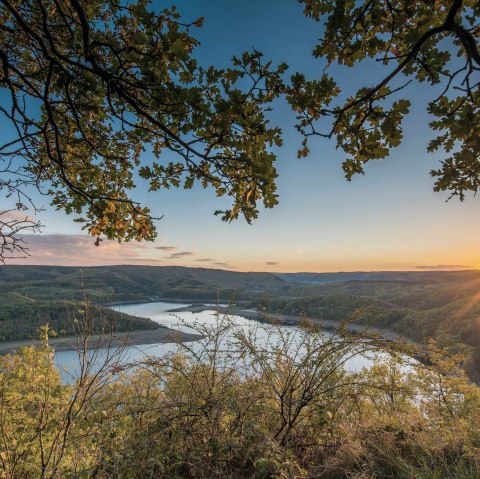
29, 223
181, 254
444, 267
271, 263
80, 250
209, 262
166, 248
296, 252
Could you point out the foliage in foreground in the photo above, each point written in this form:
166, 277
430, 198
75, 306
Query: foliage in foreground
265, 404
446, 312
97, 94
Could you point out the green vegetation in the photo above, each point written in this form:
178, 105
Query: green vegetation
32, 296
423, 305
21, 317
135, 283
403, 42
235, 410
112, 81
88, 87
444, 306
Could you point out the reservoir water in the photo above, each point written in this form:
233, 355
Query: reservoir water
186, 321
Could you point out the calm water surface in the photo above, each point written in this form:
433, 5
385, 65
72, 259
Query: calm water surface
182, 321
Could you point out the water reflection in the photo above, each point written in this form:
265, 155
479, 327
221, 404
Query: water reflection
188, 322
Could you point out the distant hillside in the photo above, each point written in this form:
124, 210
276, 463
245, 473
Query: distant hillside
409, 287
443, 305
447, 310
402, 276
32, 296
21, 317
106, 283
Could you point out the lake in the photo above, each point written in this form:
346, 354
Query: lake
185, 321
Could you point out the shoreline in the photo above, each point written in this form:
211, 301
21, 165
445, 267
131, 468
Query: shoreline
292, 320
161, 335
189, 302
126, 302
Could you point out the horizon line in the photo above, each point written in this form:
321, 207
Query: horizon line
427, 269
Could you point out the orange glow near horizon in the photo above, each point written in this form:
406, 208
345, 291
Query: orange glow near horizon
79, 250
85, 254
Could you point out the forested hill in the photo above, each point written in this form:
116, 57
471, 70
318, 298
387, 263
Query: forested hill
31, 296
143, 282
21, 317
416, 277
442, 305
123, 283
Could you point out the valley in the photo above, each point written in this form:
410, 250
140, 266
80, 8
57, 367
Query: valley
443, 306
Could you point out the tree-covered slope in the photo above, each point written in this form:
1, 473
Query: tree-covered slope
21, 317
32, 296
449, 315
419, 305
107, 283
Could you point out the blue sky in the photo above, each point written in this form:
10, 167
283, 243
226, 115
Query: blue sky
388, 219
